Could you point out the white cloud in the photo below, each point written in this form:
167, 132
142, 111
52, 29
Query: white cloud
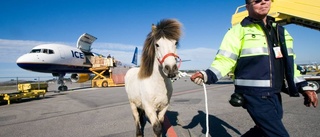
10, 50
113, 46
201, 58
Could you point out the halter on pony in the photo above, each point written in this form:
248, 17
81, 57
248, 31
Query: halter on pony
170, 54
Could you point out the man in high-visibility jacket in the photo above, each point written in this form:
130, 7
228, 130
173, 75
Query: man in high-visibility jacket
260, 54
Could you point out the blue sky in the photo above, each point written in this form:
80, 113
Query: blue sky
121, 25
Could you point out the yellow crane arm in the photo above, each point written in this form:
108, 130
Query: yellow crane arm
301, 12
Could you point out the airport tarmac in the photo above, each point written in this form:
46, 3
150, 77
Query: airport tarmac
105, 112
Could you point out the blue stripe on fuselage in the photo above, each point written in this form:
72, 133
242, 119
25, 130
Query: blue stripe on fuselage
54, 68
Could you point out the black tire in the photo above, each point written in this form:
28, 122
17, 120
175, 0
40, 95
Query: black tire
104, 84
62, 88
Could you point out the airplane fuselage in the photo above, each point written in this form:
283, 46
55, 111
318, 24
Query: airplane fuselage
55, 58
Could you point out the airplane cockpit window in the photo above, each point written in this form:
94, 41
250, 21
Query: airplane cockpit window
51, 51
45, 51
35, 51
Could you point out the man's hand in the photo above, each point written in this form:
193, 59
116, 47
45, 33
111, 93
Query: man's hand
310, 98
197, 78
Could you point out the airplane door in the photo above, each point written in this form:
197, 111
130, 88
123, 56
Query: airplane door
62, 54
85, 41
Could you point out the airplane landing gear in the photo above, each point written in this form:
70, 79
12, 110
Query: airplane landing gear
62, 86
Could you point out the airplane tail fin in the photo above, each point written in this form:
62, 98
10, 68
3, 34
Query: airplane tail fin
135, 57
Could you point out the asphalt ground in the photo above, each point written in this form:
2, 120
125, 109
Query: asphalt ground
105, 112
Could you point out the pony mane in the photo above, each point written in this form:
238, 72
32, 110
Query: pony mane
168, 28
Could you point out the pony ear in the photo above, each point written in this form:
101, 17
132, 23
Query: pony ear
153, 28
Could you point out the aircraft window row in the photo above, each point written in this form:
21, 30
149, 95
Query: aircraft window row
47, 51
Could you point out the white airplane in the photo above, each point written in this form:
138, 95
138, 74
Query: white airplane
60, 59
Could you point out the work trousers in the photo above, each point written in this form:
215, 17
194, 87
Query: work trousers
266, 112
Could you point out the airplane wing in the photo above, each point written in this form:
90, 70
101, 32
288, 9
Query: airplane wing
185, 60
85, 41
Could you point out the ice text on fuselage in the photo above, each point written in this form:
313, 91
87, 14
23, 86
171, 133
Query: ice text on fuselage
77, 54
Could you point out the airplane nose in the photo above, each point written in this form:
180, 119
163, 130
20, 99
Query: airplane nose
23, 61
19, 60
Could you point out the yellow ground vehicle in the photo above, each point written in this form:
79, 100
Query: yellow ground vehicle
107, 73
105, 78
26, 90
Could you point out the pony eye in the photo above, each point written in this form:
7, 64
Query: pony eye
177, 43
157, 45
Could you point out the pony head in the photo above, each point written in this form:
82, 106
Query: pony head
161, 45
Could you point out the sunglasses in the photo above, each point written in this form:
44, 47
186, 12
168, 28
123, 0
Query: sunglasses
258, 1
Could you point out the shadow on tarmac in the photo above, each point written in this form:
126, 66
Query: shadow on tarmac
173, 118
216, 125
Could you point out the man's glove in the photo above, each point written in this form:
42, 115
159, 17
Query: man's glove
310, 98
198, 78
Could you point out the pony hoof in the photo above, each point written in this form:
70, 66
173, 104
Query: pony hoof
157, 130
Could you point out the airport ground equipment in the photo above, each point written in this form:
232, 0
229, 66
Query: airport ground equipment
305, 13
107, 74
300, 12
26, 90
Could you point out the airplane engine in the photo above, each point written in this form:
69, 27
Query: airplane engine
79, 78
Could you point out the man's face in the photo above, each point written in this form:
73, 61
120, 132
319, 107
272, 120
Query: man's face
258, 8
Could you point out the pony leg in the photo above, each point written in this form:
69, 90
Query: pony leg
162, 113
143, 120
136, 118
156, 125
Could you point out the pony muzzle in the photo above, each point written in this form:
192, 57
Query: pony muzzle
170, 70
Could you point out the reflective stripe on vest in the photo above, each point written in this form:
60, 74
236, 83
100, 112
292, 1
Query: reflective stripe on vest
252, 83
217, 72
299, 79
250, 51
290, 51
228, 54
261, 50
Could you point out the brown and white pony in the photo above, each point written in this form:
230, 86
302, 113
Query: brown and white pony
149, 87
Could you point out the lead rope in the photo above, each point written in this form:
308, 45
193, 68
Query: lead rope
184, 74
207, 111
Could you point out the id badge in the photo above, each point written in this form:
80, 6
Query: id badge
277, 52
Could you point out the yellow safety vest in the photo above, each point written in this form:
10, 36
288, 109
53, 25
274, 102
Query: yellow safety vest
244, 51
